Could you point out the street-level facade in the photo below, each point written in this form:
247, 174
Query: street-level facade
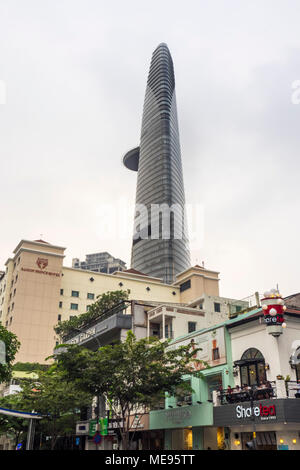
188, 423
273, 411
262, 372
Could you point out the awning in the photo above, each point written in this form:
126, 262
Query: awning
244, 362
20, 414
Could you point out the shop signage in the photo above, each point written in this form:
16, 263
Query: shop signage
177, 416
269, 411
265, 412
115, 424
102, 425
136, 423
39, 271
82, 336
273, 308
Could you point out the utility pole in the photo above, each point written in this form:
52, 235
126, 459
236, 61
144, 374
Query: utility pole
30, 435
98, 396
253, 418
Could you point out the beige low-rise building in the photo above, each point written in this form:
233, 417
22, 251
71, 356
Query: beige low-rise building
37, 291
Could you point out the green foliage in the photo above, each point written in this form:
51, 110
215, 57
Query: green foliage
11, 426
132, 375
55, 399
51, 396
105, 302
12, 346
30, 366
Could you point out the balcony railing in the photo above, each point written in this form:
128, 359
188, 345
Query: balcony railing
159, 335
238, 395
292, 389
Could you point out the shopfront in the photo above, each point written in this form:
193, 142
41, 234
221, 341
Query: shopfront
184, 427
272, 424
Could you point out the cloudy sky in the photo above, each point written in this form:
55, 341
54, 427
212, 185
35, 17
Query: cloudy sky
75, 74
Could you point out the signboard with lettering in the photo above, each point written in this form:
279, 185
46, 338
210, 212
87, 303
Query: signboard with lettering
103, 427
261, 412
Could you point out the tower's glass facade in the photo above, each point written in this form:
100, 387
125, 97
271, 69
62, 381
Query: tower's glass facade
159, 180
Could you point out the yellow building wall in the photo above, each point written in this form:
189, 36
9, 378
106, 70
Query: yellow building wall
79, 280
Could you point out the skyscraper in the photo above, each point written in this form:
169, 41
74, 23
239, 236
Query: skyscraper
160, 244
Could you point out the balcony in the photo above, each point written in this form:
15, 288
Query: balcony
239, 395
292, 389
276, 403
160, 323
272, 390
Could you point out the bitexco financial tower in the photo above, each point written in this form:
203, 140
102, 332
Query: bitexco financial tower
159, 177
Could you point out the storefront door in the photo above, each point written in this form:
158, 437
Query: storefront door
264, 440
182, 439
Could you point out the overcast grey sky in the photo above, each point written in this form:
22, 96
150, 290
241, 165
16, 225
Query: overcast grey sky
75, 74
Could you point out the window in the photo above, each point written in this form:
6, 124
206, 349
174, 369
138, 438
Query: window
252, 367
184, 396
74, 306
91, 296
168, 331
186, 285
60, 304
216, 354
192, 326
59, 317
238, 308
61, 292
75, 293
214, 382
217, 307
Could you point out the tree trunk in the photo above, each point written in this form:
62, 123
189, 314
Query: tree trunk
125, 440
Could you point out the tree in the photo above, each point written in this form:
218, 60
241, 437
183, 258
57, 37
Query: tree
132, 376
9, 345
11, 426
56, 400
29, 366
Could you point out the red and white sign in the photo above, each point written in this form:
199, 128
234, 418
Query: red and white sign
265, 412
273, 308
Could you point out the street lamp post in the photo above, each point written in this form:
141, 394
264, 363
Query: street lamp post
253, 418
98, 396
